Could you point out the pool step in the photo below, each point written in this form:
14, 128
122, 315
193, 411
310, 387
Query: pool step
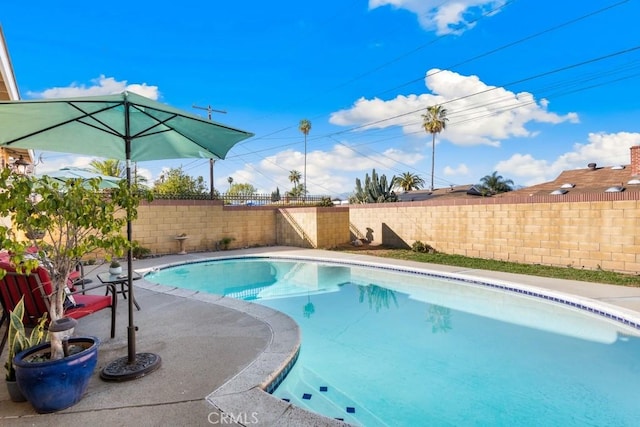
305, 389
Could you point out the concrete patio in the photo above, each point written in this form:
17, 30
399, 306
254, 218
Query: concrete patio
217, 352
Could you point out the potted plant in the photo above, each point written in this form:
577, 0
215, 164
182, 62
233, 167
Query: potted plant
52, 385
115, 267
18, 341
76, 218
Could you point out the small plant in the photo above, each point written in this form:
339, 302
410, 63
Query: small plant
325, 202
17, 339
114, 263
418, 246
139, 251
224, 242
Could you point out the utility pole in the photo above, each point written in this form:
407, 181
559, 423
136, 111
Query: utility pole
210, 110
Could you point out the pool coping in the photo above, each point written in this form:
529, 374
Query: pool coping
247, 391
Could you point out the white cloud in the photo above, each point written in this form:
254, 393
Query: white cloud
100, 86
604, 149
459, 170
479, 114
328, 172
443, 17
525, 169
50, 162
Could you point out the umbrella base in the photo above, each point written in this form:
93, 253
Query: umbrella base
121, 370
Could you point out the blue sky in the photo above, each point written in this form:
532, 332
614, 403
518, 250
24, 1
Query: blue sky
531, 88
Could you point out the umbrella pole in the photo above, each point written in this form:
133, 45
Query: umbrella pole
135, 365
131, 329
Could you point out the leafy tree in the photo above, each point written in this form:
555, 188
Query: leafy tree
494, 184
275, 195
76, 219
176, 183
375, 190
408, 181
242, 189
434, 122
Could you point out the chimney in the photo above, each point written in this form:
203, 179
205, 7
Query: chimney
635, 160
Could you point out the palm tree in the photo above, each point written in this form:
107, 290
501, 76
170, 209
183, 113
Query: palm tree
305, 127
294, 177
434, 121
230, 181
408, 181
494, 184
109, 167
296, 190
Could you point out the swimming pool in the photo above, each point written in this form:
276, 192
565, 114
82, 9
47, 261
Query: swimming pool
383, 347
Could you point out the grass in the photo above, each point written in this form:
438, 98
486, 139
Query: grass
569, 273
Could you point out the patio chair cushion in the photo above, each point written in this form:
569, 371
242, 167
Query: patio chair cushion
36, 289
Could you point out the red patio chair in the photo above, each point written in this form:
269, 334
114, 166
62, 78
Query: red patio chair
36, 288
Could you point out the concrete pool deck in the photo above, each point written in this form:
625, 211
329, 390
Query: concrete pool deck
216, 352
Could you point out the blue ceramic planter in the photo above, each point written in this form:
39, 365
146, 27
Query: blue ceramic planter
54, 385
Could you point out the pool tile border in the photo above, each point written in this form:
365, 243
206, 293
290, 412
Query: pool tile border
540, 293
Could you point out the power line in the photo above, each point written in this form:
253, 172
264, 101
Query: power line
487, 53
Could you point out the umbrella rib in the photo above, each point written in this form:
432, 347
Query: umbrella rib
146, 132
57, 125
108, 129
75, 119
159, 122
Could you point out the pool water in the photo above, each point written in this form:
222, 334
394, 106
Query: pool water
382, 347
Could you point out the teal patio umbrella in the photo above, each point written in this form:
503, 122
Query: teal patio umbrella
64, 174
126, 127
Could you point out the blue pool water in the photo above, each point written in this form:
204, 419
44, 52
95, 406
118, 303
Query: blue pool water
383, 347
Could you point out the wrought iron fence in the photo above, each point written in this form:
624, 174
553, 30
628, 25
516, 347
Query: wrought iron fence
249, 199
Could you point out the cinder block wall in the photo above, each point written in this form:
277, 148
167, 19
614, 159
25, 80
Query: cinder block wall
332, 227
313, 227
584, 231
206, 222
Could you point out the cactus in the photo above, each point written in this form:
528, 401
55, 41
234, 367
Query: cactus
375, 190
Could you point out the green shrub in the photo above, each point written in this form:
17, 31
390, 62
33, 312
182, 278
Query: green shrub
325, 202
224, 243
139, 251
418, 246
